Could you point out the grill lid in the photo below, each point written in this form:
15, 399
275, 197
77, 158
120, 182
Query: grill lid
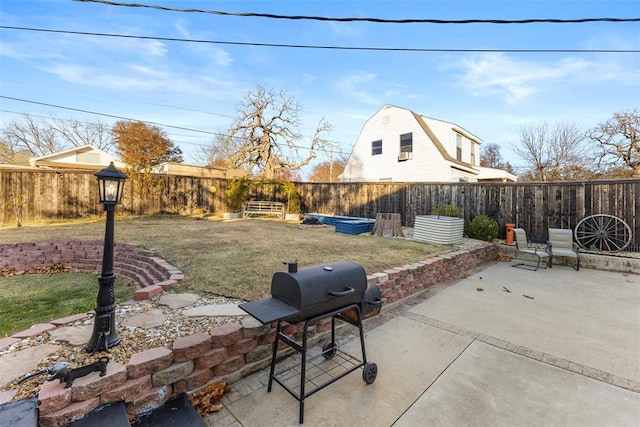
299, 294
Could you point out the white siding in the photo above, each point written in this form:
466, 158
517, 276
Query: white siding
427, 163
388, 124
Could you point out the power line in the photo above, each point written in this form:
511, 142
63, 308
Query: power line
374, 20
325, 47
107, 115
133, 120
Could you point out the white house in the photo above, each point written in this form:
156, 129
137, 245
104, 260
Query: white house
84, 157
399, 145
88, 157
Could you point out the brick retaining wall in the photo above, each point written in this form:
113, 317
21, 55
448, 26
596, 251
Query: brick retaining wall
140, 266
228, 352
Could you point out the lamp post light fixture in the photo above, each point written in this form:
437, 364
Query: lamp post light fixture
110, 188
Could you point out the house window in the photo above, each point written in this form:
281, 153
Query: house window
376, 147
473, 154
458, 147
406, 143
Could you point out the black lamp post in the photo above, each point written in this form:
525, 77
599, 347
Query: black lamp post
110, 187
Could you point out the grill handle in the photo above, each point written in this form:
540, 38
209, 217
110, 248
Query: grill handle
347, 291
378, 301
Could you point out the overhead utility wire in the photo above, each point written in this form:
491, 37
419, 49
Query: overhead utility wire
375, 20
299, 46
106, 115
125, 118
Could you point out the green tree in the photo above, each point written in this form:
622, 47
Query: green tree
142, 147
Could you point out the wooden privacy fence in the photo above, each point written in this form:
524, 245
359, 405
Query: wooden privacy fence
535, 206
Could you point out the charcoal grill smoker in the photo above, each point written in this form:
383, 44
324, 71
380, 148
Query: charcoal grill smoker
337, 291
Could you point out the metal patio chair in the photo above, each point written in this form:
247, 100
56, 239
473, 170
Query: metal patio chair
561, 244
523, 246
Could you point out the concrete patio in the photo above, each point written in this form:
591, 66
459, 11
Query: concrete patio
562, 348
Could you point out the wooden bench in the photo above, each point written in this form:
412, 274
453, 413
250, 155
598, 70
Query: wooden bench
263, 207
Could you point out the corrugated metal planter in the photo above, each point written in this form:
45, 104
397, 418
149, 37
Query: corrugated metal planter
444, 230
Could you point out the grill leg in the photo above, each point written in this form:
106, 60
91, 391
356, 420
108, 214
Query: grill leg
333, 331
364, 354
303, 370
273, 358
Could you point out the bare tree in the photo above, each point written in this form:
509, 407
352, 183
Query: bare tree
553, 151
219, 152
619, 142
30, 136
490, 157
40, 137
76, 133
266, 133
6, 152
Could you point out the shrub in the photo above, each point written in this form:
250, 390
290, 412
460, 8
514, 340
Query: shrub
447, 210
235, 194
483, 228
293, 198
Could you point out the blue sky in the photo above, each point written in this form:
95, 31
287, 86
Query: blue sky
198, 86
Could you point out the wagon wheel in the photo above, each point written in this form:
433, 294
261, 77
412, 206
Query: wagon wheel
603, 232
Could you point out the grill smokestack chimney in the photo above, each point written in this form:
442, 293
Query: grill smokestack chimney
292, 266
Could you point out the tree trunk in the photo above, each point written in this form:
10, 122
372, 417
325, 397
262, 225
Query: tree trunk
388, 225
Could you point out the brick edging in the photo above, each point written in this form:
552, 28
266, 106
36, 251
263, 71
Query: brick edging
150, 273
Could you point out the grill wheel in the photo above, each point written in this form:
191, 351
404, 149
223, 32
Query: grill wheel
369, 372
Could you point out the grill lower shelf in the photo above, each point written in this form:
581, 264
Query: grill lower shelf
312, 374
319, 372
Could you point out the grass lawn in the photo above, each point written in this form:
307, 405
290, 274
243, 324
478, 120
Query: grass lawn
39, 298
235, 258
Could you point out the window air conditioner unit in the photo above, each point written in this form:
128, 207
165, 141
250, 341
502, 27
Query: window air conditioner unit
405, 156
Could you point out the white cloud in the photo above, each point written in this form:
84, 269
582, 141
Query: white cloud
308, 78
147, 71
182, 30
137, 78
155, 48
351, 84
26, 51
88, 76
222, 57
217, 82
496, 74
